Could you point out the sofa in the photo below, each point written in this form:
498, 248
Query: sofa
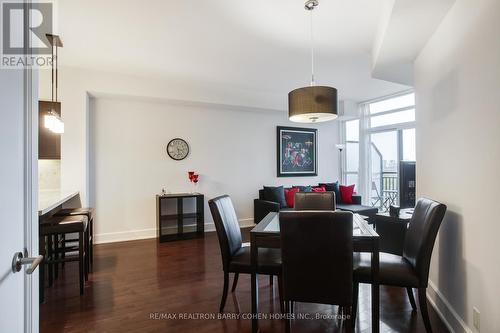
262, 207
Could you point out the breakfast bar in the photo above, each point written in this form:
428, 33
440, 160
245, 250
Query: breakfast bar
49, 203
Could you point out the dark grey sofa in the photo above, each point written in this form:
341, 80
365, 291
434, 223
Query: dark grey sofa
262, 207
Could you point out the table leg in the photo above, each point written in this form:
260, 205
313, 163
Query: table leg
375, 288
255, 284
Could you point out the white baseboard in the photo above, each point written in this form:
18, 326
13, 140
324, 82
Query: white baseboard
129, 235
246, 223
444, 309
123, 236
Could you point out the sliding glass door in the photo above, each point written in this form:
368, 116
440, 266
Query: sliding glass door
384, 156
387, 149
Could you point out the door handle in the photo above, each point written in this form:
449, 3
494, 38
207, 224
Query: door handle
20, 260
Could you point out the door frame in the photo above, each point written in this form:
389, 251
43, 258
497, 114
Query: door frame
30, 148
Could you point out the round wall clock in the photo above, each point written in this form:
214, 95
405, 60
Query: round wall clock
177, 149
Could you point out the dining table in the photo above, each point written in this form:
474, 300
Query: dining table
266, 234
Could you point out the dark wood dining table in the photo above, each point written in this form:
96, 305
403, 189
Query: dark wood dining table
266, 234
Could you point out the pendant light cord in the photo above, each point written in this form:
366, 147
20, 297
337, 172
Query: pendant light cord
312, 50
57, 71
52, 82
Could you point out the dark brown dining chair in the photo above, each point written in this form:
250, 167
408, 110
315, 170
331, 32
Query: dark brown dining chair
235, 257
314, 201
317, 258
410, 270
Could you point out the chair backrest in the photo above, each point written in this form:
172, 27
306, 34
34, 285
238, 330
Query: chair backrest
227, 226
314, 201
316, 252
421, 235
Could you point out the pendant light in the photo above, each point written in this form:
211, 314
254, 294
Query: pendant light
52, 120
312, 104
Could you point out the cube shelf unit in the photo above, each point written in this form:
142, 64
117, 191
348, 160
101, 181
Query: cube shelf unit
163, 216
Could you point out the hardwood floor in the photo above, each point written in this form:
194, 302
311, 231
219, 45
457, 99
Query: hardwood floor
138, 286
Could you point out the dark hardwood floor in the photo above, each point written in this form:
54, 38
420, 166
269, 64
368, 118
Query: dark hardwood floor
137, 285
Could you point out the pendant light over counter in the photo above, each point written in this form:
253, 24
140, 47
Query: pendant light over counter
52, 120
312, 104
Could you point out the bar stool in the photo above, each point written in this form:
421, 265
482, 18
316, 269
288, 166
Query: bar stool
56, 226
89, 213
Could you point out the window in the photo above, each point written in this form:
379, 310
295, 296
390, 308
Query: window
352, 130
374, 146
392, 139
351, 164
396, 110
393, 118
409, 146
394, 103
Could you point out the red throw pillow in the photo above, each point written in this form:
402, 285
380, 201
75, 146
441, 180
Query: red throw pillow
290, 196
319, 189
346, 193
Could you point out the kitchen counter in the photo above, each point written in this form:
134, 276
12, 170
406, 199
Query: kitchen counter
49, 200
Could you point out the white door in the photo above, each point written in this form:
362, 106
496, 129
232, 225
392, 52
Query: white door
18, 200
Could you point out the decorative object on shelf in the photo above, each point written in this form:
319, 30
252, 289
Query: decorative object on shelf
314, 103
193, 178
341, 147
297, 151
178, 149
52, 119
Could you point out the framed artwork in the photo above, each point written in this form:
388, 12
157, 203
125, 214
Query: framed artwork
297, 151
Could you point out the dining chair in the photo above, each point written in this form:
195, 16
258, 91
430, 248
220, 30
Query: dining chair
317, 258
235, 257
411, 269
314, 201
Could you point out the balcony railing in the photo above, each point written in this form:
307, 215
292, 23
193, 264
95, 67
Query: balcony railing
385, 191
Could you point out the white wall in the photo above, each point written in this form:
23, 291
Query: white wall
233, 150
117, 158
76, 85
457, 78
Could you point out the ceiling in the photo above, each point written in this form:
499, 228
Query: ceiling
402, 35
249, 45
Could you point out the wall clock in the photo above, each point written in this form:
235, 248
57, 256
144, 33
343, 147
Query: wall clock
177, 149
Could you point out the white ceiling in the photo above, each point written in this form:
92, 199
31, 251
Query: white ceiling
402, 35
252, 45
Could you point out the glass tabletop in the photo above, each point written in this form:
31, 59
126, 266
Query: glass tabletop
271, 225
